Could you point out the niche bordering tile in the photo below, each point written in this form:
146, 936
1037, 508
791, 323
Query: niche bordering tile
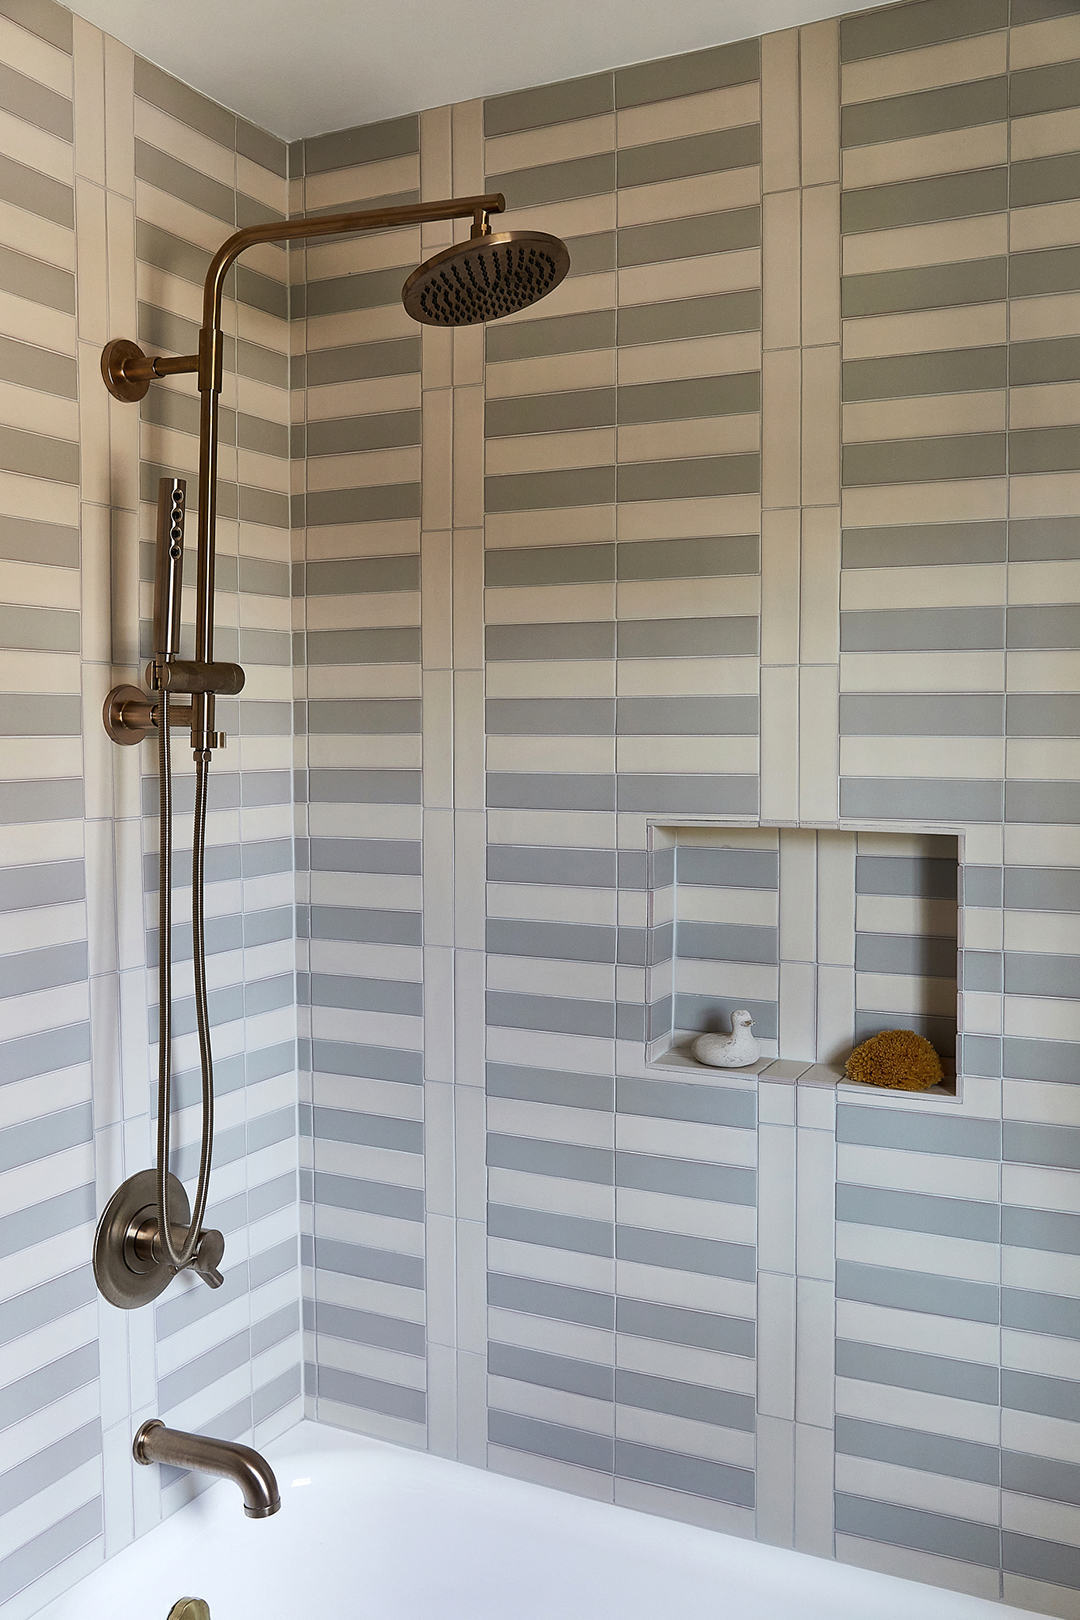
827, 935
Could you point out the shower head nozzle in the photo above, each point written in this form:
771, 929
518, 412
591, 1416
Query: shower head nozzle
485, 277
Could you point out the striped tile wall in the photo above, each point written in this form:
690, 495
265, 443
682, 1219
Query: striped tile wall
116, 183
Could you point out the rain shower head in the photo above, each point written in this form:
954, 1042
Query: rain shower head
485, 277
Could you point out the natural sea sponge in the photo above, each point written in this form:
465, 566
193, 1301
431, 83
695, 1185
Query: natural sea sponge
897, 1058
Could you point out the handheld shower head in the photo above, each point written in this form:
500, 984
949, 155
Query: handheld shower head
486, 277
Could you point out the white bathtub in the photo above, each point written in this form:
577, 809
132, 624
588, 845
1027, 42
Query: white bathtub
368, 1531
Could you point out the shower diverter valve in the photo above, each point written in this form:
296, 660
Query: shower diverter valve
129, 1267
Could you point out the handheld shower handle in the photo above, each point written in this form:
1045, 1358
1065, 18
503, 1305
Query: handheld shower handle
169, 566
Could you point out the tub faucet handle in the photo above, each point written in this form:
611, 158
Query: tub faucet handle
207, 1257
190, 1609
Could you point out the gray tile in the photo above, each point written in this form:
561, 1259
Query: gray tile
394, 646
566, 942
550, 413
50, 1133
918, 1212
728, 868
340, 295
35, 103
943, 286
1042, 802
53, 965
685, 1178
1044, 180
709, 153
563, 1090
1025, 11
371, 1394
940, 1031
908, 1369
370, 1062
549, 565
564, 1015
671, 1324
46, 1384
167, 173
688, 795
982, 886
1032, 1392
52, 883
732, 395
556, 182
592, 254
38, 715
1040, 450
920, 202
183, 103
63, 1539
393, 357
1042, 888
674, 1398
927, 112
556, 1301
588, 868
942, 371
583, 1450
932, 877
266, 150
42, 284
1040, 1476
361, 923
1044, 360
1047, 1561
374, 1197
983, 970
588, 1378
549, 104
1042, 715
688, 716
910, 1448
42, 17
690, 317
367, 1327
920, 545
912, 955
917, 1291
47, 1467
1054, 1145
913, 1527
570, 1232
1044, 539
367, 995
532, 642
364, 787
525, 790
719, 1482
981, 1055
670, 1099
725, 232
394, 855
558, 334
38, 193
923, 461
727, 942
930, 22
929, 629
377, 1265
1048, 271
550, 717
53, 1049
356, 576
1040, 1313
562, 1159
379, 504
368, 143
929, 714
536, 491
367, 717
688, 75
688, 638
706, 557
704, 1256
1058, 1061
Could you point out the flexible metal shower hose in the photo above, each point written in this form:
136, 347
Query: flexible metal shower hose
179, 1257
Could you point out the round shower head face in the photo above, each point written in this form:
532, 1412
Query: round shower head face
485, 278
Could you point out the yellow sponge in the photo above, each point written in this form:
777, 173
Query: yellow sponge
897, 1058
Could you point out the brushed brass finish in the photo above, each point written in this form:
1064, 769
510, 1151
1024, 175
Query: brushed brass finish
155, 1443
485, 278
128, 372
190, 1609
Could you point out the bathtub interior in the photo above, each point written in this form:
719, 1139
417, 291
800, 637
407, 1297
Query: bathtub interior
371, 1531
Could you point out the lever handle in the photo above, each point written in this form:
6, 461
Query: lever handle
207, 1257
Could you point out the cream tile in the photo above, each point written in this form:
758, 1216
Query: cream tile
182, 142
694, 357
359, 398
819, 615
820, 115
1049, 671
779, 769
551, 373
689, 115
686, 598
925, 416
1055, 40
818, 756
1045, 134
903, 72
926, 155
542, 452
1057, 315
698, 194
736, 755
963, 501
1045, 495
675, 677
1044, 405
780, 134
379, 250
705, 436
590, 754
821, 265
578, 525
1044, 582
366, 469
913, 246
340, 187
781, 231
924, 672
972, 327
961, 757
552, 144
821, 426
572, 678
781, 446
1044, 758
690, 278
674, 520
549, 604
582, 216
1049, 226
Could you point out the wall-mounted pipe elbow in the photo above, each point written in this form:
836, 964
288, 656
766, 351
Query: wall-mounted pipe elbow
155, 1443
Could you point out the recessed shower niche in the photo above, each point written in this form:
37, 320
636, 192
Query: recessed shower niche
826, 936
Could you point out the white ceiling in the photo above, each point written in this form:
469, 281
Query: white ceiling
300, 67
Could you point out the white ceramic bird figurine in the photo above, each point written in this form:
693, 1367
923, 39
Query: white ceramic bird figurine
732, 1051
